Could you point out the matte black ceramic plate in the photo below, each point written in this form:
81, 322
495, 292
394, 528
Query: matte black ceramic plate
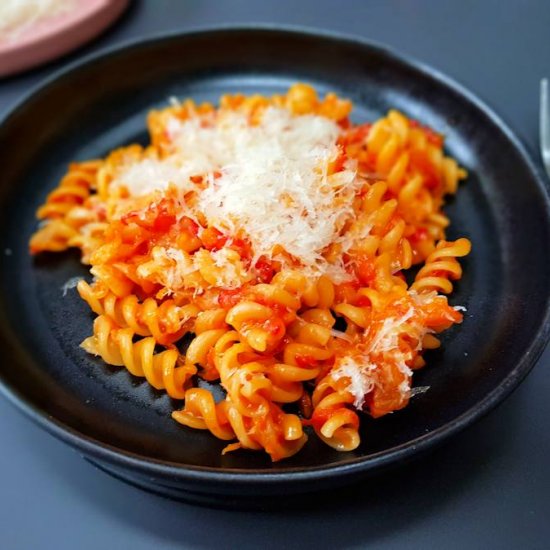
120, 422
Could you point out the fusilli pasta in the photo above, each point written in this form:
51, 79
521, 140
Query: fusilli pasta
272, 235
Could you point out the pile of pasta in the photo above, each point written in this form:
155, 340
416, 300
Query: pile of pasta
264, 245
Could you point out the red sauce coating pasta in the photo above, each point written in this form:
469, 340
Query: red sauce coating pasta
275, 232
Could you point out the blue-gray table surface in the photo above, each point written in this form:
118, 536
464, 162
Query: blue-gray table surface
487, 488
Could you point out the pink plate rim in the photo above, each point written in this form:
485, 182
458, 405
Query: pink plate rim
47, 40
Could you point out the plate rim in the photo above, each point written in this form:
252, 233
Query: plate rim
347, 467
54, 39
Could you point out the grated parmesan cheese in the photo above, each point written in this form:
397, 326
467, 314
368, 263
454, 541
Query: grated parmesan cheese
274, 184
18, 16
423, 299
386, 338
148, 175
401, 358
176, 269
359, 373
69, 284
231, 272
419, 390
170, 266
269, 181
340, 334
359, 369
277, 189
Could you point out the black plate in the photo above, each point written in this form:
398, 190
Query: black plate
122, 424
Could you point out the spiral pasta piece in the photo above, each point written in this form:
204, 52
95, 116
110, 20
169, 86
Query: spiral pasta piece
166, 322
69, 214
333, 420
441, 267
202, 413
164, 370
249, 409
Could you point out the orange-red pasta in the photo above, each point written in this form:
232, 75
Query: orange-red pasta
274, 235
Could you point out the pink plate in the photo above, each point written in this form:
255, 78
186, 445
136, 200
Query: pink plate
59, 34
